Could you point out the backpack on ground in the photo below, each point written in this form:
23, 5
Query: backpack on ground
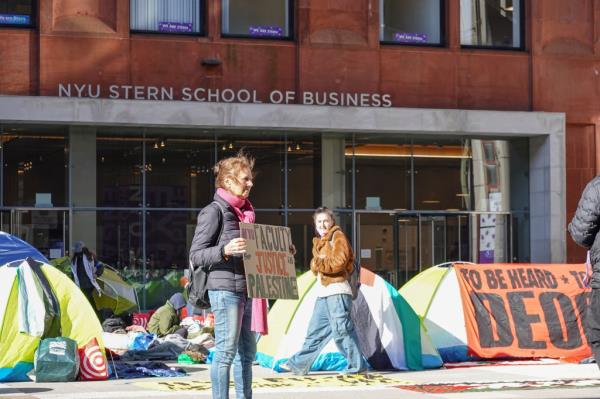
196, 290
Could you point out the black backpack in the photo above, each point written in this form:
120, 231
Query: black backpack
197, 292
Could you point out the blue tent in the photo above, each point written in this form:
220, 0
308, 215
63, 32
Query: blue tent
13, 248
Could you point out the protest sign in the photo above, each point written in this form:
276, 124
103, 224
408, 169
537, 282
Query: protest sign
270, 267
524, 310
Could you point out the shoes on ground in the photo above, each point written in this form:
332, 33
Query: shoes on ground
285, 367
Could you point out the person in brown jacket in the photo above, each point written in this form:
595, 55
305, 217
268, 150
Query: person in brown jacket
332, 263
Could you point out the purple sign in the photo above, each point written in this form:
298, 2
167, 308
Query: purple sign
175, 27
405, 37
275, 31
486, 256
12, 19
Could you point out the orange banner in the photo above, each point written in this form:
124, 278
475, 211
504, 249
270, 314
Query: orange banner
524, 310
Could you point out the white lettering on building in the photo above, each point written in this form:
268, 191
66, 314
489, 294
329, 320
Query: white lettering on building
227, 95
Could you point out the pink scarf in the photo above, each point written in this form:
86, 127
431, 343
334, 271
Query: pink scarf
245, 213
242, 207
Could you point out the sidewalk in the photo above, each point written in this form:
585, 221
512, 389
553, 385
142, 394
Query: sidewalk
552, 380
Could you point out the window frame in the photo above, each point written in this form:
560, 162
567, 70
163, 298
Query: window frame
201, 32
501, 48
32, 18
442, 25
289, 37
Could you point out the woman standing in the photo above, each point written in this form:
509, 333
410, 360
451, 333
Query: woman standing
85, 268
332, 263
218, 247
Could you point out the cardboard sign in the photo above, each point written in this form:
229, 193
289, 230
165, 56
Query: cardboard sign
518, 310
270, 267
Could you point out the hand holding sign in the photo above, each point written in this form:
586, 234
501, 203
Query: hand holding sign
237, 246
269, 261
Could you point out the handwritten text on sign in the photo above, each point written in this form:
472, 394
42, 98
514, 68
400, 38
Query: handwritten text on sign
270, 269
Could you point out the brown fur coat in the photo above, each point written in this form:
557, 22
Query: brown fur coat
334, 262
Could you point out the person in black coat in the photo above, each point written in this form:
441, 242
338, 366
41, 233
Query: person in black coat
218, 248
584, 230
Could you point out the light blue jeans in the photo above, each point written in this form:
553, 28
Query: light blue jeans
330, 319
234, 344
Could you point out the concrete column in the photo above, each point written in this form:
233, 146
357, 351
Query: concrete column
333, 176
547, 198
82, 155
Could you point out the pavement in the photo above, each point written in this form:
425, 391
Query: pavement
540, 379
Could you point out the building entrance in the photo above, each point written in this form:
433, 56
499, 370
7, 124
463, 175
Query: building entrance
398, 245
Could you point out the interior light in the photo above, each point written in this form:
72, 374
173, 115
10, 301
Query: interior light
297, 146
431, 201
407, 151
289, 148
463, 194
224, 147
162, 143
156, 146
231, 145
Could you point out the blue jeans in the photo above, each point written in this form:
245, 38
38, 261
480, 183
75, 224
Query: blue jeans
234, 344
330, 319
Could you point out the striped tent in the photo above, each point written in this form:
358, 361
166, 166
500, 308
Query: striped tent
390, 333
77, 319
435, 295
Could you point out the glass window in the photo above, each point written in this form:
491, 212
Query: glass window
269, 168
258, 18
491, 23
17, 13
411, 21
448, 164
381, 172
119, 166
30, 156
302, 166
167, 16
179, 173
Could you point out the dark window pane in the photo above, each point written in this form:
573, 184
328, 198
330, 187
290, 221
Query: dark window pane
166, 16
493, 23
410, 21
269, 153
382, 173
179, 171
441, 170
257, 18
119, 169
302, 166
16, 12
31, 156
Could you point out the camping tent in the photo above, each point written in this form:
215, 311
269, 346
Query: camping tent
77, 318
435, 297
390, 334
117, 294
13, 248
501, 310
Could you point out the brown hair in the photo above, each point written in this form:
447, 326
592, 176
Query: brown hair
230, 167
325, 210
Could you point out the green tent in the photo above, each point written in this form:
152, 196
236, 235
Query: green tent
117, 294
77, 318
